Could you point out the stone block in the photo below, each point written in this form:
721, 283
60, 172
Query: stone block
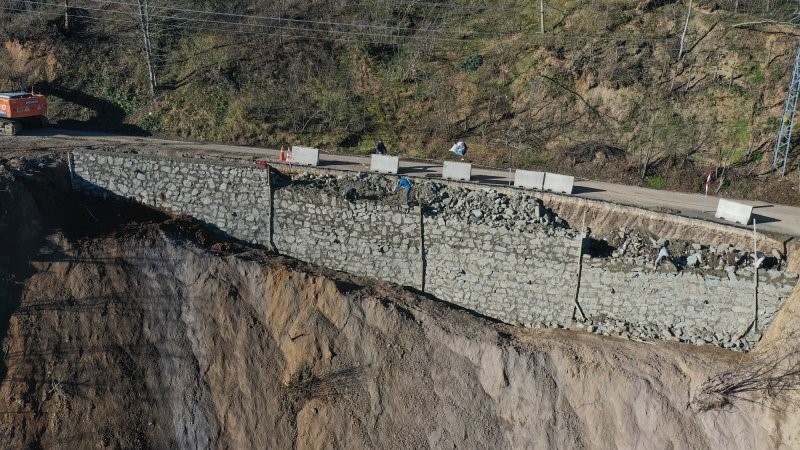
457, 171
529, 179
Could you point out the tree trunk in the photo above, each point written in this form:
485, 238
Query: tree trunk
649, 154
144, 25
685, 28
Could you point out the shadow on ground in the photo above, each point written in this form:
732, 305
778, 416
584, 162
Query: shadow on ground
107, 115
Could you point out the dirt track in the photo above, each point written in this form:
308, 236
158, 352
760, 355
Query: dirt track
771, 218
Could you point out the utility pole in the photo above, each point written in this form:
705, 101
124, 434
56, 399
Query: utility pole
280, 22
541, 16
144, 26
66, 16
780, 157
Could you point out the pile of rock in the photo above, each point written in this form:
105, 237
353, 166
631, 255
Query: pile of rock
489, 207
650, 332
635, 247
481, 206
653, 332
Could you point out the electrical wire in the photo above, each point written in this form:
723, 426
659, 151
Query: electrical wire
273, 27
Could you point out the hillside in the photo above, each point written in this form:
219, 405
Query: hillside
606, 92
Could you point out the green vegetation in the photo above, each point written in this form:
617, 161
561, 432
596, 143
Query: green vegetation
656, 182
472, 63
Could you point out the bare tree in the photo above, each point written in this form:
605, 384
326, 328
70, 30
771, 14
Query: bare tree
685, 28
764, 378
143, 16
648, 155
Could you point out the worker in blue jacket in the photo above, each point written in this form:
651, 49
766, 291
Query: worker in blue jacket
406, 184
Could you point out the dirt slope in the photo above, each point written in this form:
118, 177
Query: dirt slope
160, 336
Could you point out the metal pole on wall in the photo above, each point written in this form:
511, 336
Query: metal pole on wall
422, 247
581, 237
271, 208
755, 279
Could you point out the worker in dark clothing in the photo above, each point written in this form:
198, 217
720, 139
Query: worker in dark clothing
349, 193
380, 149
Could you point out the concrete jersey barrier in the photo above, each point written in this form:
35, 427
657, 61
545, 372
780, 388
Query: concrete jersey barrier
734, 211
384, 164
305, 156
457, 171
529, 179
558, 183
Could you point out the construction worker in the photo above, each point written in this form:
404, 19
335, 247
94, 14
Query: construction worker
349, 193
460, 149
662, 255
380, 149
758, 259
406, 184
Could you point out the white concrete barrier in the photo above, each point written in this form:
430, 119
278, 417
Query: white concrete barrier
457, 171
529, 179
733, 211
384, 164
558, 183
305, 156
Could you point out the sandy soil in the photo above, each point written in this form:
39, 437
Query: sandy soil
124, 328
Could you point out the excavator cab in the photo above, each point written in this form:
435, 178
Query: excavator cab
18, 109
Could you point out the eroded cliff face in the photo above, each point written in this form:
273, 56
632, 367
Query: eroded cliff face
157, 335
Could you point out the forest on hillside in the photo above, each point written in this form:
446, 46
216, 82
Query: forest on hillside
649, 92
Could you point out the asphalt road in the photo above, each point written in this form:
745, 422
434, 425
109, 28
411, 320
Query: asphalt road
771, 218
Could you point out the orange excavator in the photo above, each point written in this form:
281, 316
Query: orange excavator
22, 108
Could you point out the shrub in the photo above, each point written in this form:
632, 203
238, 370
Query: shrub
656, 182
472, 63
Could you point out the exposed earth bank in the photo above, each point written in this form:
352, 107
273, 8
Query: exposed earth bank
124, 328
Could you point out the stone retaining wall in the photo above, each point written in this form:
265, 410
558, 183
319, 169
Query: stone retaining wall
517, 277
234, 198
362, 238
522, 277
690, 305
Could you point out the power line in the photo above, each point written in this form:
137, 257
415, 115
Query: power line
286, 27
432, 36
305, 33
447, 5
251, 16
279, 19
